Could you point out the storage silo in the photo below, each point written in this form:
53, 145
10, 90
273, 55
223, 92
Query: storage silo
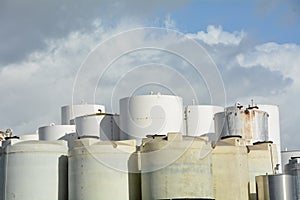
293, 168
102, 170
35, 170
32, 136
88, 125
58, 132
70, 112
200, 119
150, 114
250, 123
276, 187
287, 155
273, 127
262, 159
176, 167
99, 125
230, 169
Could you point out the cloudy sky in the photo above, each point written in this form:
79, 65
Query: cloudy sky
46, 57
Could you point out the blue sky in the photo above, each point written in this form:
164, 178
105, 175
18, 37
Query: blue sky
255, 45
266, 21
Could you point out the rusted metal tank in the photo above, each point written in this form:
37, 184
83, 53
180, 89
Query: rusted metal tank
250, 123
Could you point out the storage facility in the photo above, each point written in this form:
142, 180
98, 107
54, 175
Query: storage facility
155, 148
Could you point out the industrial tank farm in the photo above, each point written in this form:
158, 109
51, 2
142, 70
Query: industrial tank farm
155, 148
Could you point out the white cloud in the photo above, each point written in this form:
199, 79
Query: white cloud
285, 59
36, 87
281, 57
215, 35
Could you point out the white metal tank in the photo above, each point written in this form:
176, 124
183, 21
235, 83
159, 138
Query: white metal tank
33, 136
35, 170
58, 132
150, 114
176, 167
250, 123
273, 126
101, 170
70, 112
100, 125
200, 119
88, 125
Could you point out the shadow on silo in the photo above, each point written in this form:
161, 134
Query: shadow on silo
134, 177
63, 178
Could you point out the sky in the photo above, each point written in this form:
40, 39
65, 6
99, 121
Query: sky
250, 50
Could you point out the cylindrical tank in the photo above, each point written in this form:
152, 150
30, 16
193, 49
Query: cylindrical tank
33, 136
273, 126
251, 124
287, 155
293, 168
35, 170
150, 114
70, 112
58, 132
102, 170
101, 125
262, 159
88, 125
176, 167
200, 119
230, 169
276, 187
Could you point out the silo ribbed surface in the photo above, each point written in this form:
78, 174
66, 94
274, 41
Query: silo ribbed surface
230, 169
102, 170
35, 170
176, 167
150, 114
